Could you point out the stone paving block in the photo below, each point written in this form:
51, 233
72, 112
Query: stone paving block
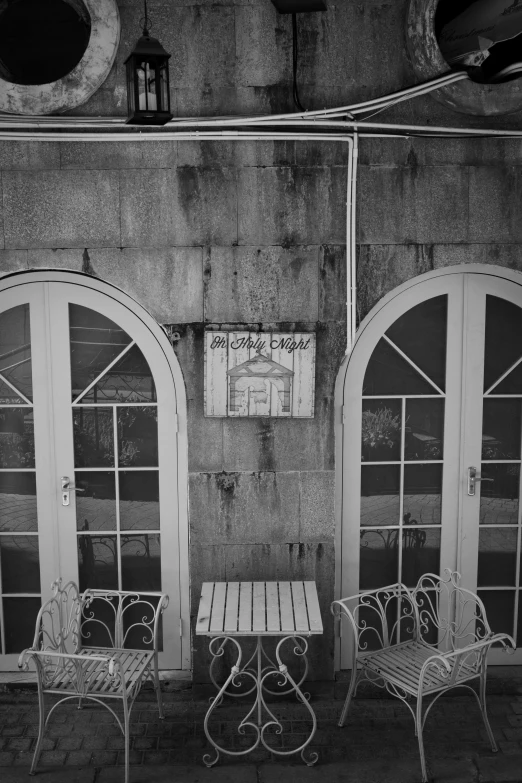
112, 155
80, 758
54, 775
499, 769
166, 281
303, 206
61, 209
400, 771
104, 758
244, 507
27, 155
52, 757
404, 205
455, 770
239, 773
255, 284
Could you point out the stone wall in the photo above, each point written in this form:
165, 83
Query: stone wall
252, 235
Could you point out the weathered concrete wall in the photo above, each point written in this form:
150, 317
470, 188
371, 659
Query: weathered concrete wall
252, 235
235, 57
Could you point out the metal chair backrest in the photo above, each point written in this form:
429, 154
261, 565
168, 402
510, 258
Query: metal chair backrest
121, 620
450, 617
382, 617
58, 621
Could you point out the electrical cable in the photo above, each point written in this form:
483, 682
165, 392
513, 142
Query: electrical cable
294, 63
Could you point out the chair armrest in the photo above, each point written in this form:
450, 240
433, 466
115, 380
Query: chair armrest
76, 669
449, 664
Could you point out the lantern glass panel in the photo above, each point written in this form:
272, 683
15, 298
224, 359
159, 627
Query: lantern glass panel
146, 87
164, 86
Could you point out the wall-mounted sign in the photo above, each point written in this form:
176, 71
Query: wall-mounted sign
259, 374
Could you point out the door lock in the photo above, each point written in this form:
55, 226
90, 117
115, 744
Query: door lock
473, 477
67, 487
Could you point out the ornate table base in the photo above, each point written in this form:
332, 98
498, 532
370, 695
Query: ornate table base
259, 669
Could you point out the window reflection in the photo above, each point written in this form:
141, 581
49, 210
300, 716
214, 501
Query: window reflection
93, 437
424, 429
16, 438
499, 495
501, 429
381, 430
380, 495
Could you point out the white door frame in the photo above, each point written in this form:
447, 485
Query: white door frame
347, 411
13, 282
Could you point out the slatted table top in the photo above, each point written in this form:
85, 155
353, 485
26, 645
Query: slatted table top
258, 609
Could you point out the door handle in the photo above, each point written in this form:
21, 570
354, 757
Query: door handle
473, 477
67, 487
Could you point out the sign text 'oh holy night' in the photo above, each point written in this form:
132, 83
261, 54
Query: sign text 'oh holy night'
259, 374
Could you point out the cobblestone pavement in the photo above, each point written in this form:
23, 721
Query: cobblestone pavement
376, 746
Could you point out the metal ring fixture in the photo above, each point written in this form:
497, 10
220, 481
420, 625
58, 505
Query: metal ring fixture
76, 87
427, 61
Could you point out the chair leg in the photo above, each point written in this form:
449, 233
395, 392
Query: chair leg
157, 688
418, 734
351, 690
482, 703
41, 730
126, 727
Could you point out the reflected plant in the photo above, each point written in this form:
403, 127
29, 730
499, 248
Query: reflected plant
380, 428
16, 451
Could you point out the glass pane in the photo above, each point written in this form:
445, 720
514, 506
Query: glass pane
95, 342
96, 505
503, 339
15, 350
19, 621
381, 430
16, 438
98, 562
512, 383
420, 554
501, 429
8, 396
141, 562
137, 437
389, 373
424, 429
93, 437
20, 564
421, 335
380, 501
422, 494
500, 609
499, 498
497, 558
130, 380
18, 502
139, 500
379, 563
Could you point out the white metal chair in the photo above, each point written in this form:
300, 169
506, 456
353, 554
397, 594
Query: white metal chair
69, 664
404, 642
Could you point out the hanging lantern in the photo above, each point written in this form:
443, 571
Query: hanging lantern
148, 92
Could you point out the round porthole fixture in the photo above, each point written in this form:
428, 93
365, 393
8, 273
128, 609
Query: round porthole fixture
466, 96
82, 39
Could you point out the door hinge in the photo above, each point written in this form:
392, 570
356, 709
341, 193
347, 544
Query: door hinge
180, 628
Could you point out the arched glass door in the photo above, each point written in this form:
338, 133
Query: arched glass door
88, 402
433, 395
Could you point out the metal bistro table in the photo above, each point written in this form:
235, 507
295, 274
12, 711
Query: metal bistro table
228, 610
